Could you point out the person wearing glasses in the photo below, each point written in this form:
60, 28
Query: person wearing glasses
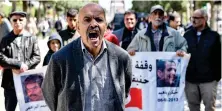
204, 68
70, 33
19, 52
90, 73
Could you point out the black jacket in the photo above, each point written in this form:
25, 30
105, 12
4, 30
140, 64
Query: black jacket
68, 35
205, 61
9, 54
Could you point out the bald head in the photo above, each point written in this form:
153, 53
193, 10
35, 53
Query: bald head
93, 7
91, 25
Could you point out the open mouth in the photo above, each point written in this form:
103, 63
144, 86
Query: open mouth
93, 35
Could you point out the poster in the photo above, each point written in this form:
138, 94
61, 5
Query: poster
158, 82
28, 90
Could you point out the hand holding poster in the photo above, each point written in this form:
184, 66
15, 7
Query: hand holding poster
28, 90
158, 82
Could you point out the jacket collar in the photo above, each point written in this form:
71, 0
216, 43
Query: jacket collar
163, 27
25, 33
204, 30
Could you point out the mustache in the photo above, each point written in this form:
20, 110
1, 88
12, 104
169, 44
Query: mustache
33, 95
95, 29
158, 19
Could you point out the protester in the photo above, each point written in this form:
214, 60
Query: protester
33, 88
204, 68
19, 52
126, 34
70, 33
54, 44
109, 36
166, 74
5, 26
174, 21
157, 36
89, 73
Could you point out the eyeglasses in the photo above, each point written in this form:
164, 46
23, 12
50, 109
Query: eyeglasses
15, 20
195, 18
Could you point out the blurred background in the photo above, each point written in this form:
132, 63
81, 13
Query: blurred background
53, 10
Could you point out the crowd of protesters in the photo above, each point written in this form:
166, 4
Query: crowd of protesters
79, 50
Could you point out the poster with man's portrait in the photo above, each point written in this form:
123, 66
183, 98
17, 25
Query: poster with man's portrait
29, 91
168, 72
158, 82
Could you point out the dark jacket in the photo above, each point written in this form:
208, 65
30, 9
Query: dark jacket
205, 61
50, 52
120, 33
68, 35
9, 52
63, 86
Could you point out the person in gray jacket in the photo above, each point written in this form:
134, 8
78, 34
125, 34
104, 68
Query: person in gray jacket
157, 36
90, 73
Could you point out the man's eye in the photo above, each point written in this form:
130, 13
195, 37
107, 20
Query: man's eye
87, 20
99, 19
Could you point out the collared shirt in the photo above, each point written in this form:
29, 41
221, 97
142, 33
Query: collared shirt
157, 34
198, 36
99, 90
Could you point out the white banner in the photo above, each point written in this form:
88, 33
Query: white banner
158, 82
28, 90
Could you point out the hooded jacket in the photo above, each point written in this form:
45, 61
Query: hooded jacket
50, 52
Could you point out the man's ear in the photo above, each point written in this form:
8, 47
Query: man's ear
77, 26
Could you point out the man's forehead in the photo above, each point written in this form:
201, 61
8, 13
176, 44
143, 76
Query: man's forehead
17, 16
92, 9
130, 14
197, 12
158, 11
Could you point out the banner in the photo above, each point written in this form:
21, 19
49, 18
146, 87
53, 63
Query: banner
158, 82
28, 90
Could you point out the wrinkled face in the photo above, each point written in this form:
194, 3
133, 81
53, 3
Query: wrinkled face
72, 22
54, 45
18, 22
157, 17
197, 19
34, 92
130, 21
170, 72
91, 26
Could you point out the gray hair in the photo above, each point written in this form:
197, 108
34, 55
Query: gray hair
203, 13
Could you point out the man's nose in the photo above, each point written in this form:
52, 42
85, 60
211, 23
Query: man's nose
94, 24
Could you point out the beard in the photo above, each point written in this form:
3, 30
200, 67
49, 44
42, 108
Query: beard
157, 22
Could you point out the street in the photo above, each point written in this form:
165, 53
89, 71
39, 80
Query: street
44, 48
